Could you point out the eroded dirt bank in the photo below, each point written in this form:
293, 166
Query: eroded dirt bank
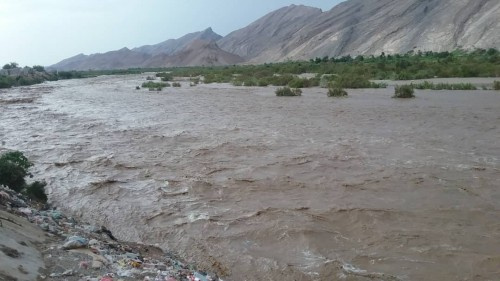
306, 188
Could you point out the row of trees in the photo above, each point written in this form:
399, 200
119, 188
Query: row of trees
14, 65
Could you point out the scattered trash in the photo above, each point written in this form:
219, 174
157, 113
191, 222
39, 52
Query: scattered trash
75, 242
92, 253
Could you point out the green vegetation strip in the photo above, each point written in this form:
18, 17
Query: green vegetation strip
443, 86
345, 72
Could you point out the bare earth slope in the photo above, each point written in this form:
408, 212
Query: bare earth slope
369, 27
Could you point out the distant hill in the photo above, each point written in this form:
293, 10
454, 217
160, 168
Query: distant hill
120, 59
172, 46
173, 52
355, 27
198, 52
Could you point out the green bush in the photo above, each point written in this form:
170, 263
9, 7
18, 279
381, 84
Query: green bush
496, 85
404, 92
39, 68
195, 80
176, 84
287, 92
335, 91
6, 82
263, 82
36, 191
165, 76
237, 83
155, 85
249, 83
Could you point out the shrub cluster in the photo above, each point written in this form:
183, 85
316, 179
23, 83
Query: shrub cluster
13, 171
165, 76
336, 91
155, 85
288, 92
404, 92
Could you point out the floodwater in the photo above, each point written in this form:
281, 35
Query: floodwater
257, 187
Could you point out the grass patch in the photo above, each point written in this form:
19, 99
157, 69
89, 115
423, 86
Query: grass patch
288, 92
404, 92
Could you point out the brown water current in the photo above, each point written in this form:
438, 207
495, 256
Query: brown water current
257, 187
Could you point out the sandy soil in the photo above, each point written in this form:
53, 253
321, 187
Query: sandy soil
20, 258
268, 188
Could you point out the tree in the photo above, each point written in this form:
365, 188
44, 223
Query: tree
38, 68
11, 65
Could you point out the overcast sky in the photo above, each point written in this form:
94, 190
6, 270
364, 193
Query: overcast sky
43, 32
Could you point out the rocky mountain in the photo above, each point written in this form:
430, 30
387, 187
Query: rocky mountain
368, 27
174, 52
120, 59
299, 32
172, 46
266, 36
198, 52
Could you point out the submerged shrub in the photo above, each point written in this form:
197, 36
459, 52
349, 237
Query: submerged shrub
288, 92
426, 85
154, 85
36, 191
336, 91
496, 85
165, 76
404, 92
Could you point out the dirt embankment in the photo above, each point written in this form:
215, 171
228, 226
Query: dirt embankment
47, 245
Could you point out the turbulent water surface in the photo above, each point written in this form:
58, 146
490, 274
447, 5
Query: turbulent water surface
257, 187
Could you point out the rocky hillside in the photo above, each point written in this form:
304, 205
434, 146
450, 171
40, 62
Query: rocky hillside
368, 27
298, 32
172, 46
198, 52
120, 59
173, 52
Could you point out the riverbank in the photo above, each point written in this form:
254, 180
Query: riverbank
39, 243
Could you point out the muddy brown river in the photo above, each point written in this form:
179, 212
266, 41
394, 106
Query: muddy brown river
257, 187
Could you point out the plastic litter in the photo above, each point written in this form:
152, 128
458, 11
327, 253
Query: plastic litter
75, 242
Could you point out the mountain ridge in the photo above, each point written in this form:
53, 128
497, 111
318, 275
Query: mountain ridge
297, 32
